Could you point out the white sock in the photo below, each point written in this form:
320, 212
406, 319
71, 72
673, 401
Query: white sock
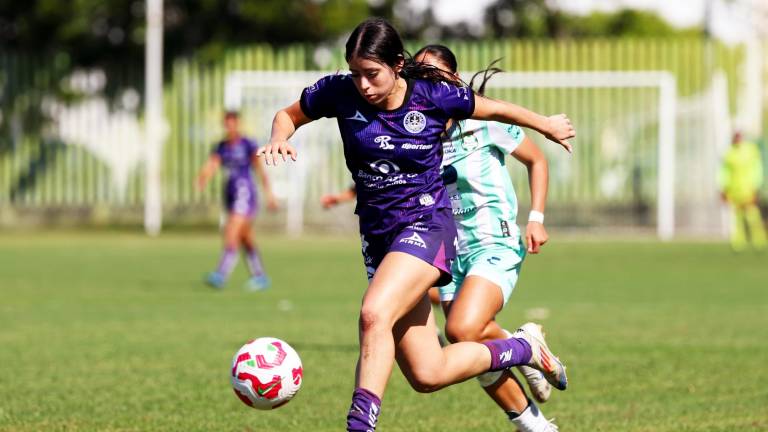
532, 420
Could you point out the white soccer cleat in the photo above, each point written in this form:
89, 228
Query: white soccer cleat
537, 383
541, 357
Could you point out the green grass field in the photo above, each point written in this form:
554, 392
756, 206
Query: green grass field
116, 332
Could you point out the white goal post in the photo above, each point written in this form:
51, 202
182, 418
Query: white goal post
290, 83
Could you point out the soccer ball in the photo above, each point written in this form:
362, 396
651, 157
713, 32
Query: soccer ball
266, 373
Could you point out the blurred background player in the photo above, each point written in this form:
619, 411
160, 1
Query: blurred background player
490, 250
238, 155
740, 178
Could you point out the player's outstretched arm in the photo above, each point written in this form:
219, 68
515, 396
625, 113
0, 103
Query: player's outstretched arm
284, 125
557, 128
531, 156
208, 170
332, 200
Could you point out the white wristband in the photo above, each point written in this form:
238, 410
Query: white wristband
536, 216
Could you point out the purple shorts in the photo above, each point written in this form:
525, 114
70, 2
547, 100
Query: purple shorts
432, 239
240, 197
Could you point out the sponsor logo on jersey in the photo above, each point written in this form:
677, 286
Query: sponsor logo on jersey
409, 146
426, 200
470, 142
359, 117
419, 226
414, 122
385, 167
505, 228
414, 240
383, 142
463, 211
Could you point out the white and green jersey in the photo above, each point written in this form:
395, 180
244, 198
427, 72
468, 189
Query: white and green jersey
481, 192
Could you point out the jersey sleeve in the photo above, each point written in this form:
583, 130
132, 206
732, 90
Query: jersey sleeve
320, 99
457, 102
504, 136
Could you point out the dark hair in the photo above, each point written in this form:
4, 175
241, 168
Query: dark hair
442, 53
375, 39
446, 56
487, 73
230, 114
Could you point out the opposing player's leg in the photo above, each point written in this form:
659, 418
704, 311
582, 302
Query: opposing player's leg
470, 317
228, 259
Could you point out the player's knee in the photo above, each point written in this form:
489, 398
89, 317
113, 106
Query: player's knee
425, 380
372, 318
460, 331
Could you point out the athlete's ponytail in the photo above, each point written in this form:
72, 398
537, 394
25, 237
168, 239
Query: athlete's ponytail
445, 56
487, 74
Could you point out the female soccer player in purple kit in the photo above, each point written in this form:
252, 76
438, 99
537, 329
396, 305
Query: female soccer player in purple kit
391, 114
238, 155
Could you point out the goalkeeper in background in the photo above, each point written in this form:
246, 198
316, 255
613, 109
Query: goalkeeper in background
740, 178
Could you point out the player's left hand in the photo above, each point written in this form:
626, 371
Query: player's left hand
535, 236
560, 130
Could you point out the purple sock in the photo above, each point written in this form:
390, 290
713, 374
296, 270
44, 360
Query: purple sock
253, 258
227, 262
506, 353
364, 411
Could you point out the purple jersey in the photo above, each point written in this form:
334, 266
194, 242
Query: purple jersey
394, 155
239, 190
237, 157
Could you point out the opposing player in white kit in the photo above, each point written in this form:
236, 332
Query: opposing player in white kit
490, 249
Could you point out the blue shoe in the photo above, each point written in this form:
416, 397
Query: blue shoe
215, 280
257, 283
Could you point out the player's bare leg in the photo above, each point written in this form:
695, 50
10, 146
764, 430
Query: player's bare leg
258, 280
228, 260
470, 317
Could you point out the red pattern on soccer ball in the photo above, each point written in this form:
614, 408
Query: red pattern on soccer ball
241, 358
268, 390
298, 375
262, 362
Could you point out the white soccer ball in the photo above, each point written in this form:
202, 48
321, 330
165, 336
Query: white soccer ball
266, 373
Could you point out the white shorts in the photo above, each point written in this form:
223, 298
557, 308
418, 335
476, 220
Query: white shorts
499, 265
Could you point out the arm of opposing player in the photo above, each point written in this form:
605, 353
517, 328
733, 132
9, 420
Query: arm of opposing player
284, 125
557, 128
208, 170
332, 200
532, 157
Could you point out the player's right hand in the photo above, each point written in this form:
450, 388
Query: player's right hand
271, 151
560, 130
328, 201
